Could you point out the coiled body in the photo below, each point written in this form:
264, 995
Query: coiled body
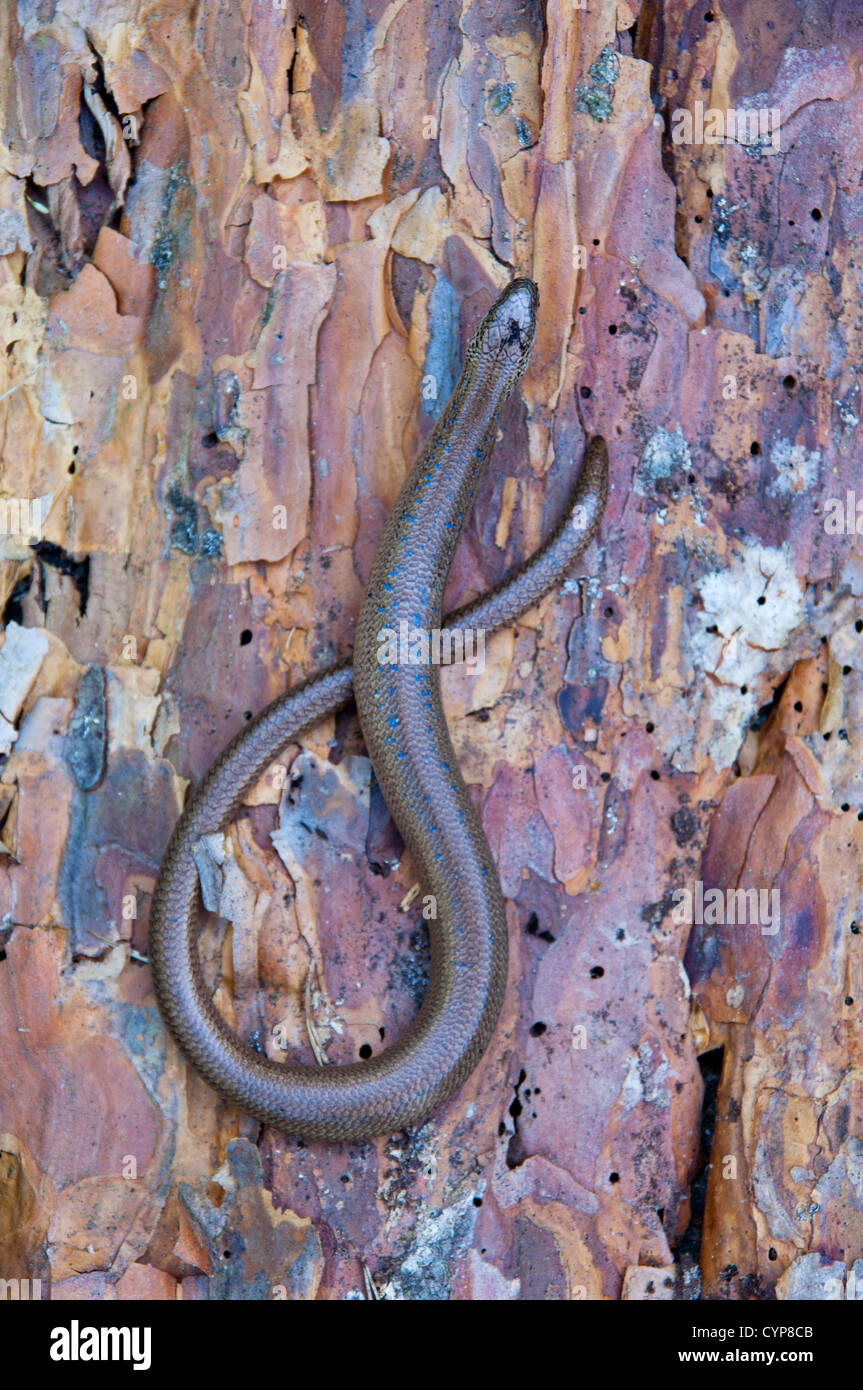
405, 732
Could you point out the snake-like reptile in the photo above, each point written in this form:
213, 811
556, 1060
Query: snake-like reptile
403, 724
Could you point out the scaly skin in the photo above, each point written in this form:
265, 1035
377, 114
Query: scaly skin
405, 731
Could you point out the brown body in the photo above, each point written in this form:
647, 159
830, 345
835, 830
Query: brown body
405, 731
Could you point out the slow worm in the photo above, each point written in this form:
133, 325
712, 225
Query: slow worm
406, 735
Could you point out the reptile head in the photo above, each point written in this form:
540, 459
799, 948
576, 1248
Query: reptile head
504, 339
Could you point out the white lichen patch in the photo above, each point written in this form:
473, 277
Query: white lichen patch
796, 468
663, 453
750, 609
